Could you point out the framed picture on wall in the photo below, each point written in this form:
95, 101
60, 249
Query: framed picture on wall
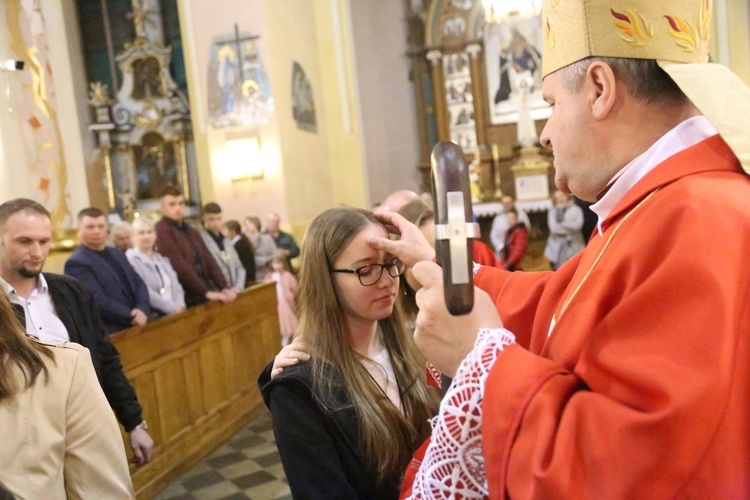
513, 52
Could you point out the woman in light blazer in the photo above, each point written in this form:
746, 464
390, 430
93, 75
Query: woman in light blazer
165, 293
60, 438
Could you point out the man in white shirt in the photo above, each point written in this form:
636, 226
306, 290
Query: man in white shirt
58, 308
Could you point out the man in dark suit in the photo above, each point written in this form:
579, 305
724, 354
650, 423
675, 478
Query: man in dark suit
58, 308
119, 292
183, 245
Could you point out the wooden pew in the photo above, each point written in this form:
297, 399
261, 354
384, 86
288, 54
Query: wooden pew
195, 375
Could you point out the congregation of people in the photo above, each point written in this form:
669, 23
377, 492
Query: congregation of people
148, 269
187, 266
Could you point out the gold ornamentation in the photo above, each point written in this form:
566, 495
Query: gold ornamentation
142, 17
682, 32
549, 35
99, 94
250, 87
633, 29
705, 19
150, 118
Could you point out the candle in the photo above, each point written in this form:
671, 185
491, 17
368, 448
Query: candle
495, 153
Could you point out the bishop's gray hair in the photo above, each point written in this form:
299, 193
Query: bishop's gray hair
645, 80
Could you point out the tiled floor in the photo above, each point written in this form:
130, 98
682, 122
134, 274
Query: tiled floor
246, 466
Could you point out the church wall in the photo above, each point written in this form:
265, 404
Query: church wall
739, 38
72, 97
304, 172
389, 122
202, 21
13, 174
341, 103
292, 35
69, 104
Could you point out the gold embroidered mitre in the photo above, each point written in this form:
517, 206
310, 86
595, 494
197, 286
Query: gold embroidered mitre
675, 33
673, 30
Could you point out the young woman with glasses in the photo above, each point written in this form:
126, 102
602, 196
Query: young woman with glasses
347, 422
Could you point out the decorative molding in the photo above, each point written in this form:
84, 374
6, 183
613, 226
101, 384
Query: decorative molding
434, 56
473, 50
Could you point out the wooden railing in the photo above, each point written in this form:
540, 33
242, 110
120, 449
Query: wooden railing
195, 375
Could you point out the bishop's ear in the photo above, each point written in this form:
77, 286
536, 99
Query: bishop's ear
602, 87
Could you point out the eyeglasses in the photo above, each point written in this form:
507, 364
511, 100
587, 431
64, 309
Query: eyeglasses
370, 274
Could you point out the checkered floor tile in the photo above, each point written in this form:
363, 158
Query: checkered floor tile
246, 466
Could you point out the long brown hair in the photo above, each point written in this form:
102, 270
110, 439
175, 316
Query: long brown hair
17, 351
388, 438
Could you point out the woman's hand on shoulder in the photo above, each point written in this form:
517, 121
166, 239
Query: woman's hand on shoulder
290, 355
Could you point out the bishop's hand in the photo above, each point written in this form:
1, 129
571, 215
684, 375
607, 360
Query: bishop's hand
444, 339
411, 248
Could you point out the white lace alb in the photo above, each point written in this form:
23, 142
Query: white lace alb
453, 465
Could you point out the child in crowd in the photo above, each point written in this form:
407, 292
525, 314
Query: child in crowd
286, 293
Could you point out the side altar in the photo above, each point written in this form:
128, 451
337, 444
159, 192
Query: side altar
145, 134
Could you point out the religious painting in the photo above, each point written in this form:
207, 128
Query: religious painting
513, 51
239, 92
303, 104
148, 81
156, 166
460, 100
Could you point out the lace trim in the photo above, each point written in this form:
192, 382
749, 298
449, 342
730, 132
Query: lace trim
453, 465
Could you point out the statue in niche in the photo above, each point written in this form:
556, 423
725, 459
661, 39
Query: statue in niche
147, 79
147, 19
156, 167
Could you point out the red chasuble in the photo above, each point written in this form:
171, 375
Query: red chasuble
642, 387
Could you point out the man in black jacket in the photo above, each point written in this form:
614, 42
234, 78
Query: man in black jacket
59, 308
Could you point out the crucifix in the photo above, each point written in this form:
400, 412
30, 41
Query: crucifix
237, 41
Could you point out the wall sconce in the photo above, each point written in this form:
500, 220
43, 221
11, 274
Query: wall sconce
245, 158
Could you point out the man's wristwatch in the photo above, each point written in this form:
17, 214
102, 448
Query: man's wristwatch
143, 425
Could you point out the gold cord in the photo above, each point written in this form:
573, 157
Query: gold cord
599, 257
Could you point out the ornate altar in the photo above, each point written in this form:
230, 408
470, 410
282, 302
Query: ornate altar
478, 84
145, 135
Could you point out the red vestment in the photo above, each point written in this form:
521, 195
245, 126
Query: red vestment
642, 389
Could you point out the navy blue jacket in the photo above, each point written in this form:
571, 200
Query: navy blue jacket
114, 298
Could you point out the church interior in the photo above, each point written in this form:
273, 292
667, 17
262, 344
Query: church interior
285, 106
